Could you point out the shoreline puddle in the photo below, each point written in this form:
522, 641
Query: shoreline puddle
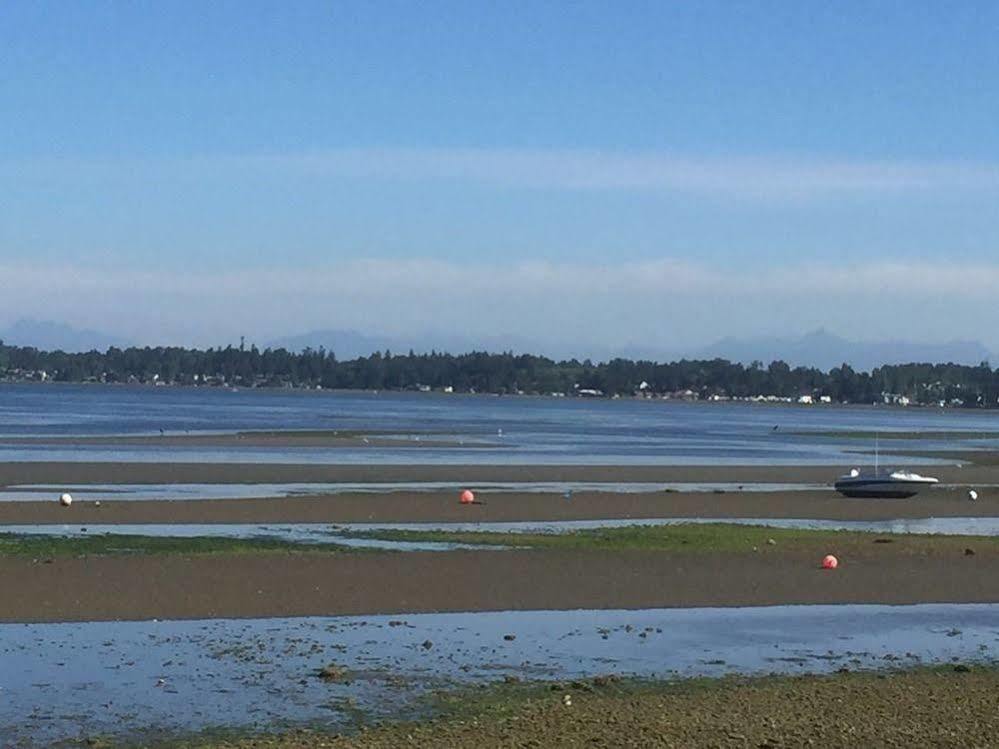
304, 533
343, 534
962, 526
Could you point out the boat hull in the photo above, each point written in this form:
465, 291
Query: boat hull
881, 489
878, 492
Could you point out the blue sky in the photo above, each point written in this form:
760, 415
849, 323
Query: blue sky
639, 172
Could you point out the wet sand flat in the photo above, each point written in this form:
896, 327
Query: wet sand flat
302, 584
299, 584
401, 507
69, 472
984, 458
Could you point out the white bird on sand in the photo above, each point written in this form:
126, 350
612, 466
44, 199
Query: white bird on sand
66, 499
972, 495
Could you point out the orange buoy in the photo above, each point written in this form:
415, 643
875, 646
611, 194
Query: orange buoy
829, 562
467, 497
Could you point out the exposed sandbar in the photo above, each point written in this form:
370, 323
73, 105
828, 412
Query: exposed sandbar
71, 472
300, 584
400, 507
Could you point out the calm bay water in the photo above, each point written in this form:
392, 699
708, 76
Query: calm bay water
493, 429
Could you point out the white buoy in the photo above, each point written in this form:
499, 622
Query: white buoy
972, 495
66, 499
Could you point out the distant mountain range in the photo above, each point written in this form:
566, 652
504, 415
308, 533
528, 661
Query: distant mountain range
817, 349
824, 350
52, 336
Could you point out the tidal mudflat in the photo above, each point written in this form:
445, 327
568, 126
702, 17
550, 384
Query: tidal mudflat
109, 577
270, 581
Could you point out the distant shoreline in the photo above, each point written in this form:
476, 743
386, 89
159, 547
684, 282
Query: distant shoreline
320, 392
942, 385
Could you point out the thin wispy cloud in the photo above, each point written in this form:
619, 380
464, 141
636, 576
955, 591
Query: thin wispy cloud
377, 277
753, 177
758, 177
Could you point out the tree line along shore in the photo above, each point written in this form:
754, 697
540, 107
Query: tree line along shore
952, 385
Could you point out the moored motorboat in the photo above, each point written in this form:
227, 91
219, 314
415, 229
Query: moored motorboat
893, 484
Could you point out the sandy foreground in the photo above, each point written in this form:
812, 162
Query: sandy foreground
942, 708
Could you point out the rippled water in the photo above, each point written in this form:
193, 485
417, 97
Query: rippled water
69, 681
518, 429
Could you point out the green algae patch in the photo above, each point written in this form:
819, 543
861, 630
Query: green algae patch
13, 544
689, 538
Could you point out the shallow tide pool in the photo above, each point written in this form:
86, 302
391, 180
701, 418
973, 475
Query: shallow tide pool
343, 534
70, 681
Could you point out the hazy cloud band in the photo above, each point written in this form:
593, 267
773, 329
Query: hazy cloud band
666, 302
